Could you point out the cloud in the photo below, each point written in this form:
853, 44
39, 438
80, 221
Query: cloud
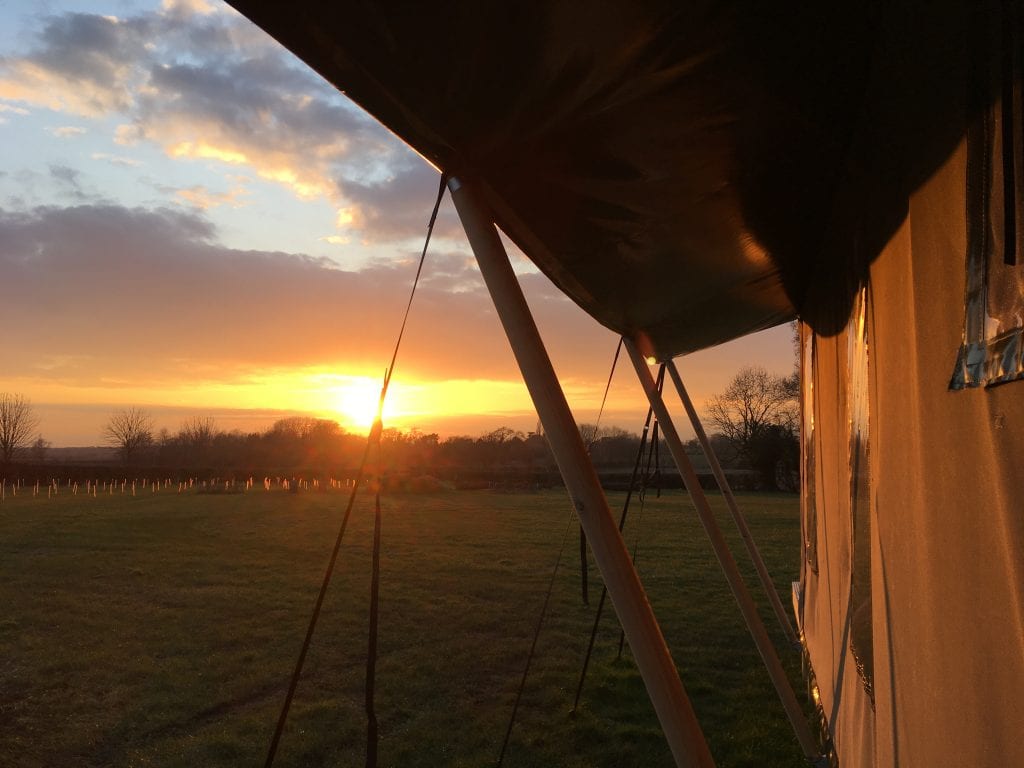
200, 197
127, 162
181, 8
102, 292
260, 112
83, 64
211, 87
66, 131
398, 206
69, 181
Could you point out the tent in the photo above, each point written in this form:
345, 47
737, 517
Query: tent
691, 172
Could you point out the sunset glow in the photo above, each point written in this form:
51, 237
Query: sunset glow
357, 403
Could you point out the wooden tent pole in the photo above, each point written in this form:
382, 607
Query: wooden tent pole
725, 558
730, 500
673, 707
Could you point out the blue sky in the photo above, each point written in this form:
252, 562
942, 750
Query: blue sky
194, 223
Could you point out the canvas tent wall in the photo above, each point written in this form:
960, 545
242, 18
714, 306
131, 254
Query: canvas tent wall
913, 571
688, 173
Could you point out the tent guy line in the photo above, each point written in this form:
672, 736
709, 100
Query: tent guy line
372, 442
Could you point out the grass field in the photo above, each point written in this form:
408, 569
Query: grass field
161, 630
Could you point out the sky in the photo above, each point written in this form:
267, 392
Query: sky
194, 223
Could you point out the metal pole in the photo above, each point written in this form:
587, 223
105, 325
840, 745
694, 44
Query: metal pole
673, 707
725, 558
730, 500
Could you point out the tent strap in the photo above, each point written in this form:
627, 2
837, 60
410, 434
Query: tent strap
372, 439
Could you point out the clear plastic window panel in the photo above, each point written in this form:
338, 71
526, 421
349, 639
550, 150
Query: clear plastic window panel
992, 351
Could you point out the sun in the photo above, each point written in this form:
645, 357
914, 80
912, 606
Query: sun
356, 402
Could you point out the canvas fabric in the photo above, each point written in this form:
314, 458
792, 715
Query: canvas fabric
946, 507
670, 167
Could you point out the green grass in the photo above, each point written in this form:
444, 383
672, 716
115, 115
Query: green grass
161, 631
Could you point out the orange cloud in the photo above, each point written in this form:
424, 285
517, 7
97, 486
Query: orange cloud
186, 7
205, 150
349, 217
202, 198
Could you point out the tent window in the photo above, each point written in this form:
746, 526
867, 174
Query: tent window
861, 630
810, 508
993, 342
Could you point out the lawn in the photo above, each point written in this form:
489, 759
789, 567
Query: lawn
161, 630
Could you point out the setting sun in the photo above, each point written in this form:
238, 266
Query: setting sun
356, 402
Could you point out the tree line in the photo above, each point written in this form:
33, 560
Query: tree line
754, 425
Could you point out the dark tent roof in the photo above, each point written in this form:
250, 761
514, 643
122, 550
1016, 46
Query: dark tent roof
673, 167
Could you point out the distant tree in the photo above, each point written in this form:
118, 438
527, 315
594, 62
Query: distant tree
609, 445
299, 426
775, 454
39, 449
423, 450
502, 435
168, 448
538, 451
590, 433
130, 431
503, 445
196, 438
17, 423
198, 431
723, 449
226, 450
757, 415
459, 450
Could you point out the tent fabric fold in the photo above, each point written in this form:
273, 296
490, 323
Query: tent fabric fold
671, 167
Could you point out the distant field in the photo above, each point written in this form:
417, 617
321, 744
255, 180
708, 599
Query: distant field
161, 630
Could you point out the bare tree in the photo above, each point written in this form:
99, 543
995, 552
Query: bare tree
196, 437
754, 402
130, 430
198, 432
39, 449
17, 423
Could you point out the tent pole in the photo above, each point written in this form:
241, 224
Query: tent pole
730, 500
725, 558
673, 707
